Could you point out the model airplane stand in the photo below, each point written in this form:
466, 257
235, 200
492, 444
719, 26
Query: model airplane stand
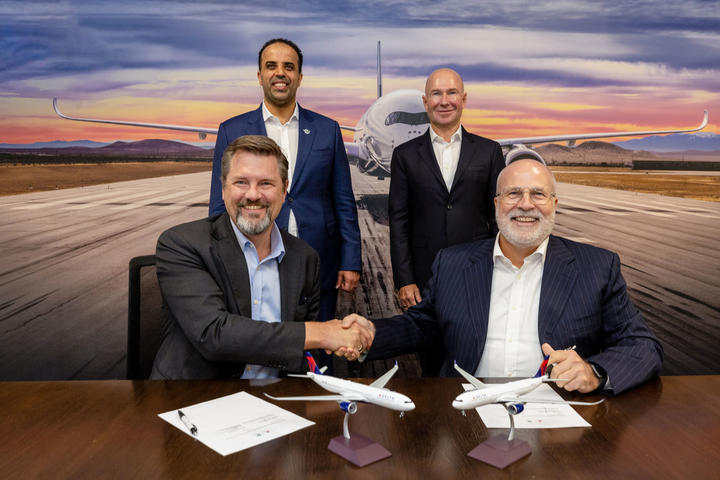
357, 449
499, 451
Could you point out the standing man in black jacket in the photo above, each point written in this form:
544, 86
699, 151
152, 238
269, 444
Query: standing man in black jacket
441, 191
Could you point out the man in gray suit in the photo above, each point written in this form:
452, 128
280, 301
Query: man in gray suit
497, 306
240, 296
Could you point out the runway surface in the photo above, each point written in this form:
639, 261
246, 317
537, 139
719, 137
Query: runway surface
63, 276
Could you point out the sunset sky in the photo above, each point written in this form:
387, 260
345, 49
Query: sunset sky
529, 68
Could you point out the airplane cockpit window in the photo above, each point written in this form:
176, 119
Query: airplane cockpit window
407, 118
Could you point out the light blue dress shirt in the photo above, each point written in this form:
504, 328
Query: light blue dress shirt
264, 288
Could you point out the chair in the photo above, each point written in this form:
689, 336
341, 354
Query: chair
144, 317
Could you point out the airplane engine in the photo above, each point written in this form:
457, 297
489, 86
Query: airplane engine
349, 407
521, 152
514, 408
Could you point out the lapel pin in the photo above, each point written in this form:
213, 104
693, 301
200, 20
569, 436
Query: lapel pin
307, 131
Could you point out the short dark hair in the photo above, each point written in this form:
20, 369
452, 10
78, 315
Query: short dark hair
258, 145
287, 42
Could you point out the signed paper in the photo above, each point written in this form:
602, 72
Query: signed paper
236, 422
535, 415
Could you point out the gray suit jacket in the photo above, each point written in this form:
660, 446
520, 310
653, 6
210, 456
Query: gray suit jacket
208, 331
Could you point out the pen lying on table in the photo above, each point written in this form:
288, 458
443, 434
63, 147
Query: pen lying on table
191, 426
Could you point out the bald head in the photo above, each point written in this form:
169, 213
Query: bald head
524, 173
444, 101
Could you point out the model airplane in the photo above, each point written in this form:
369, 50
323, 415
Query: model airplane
510, 395
394, 119
348, 393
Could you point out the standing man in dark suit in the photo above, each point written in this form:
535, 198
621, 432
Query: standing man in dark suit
441, 192
496, 306
320, 205
240, 296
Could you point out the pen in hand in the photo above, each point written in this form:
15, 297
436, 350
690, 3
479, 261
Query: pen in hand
549, 368
191, 426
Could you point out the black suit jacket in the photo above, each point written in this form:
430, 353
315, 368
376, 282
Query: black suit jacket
425, 216
583, 302
208, 331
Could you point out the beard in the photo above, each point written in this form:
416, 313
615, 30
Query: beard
253, 226
525, 237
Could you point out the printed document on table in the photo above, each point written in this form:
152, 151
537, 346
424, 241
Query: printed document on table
535, 415
236, 422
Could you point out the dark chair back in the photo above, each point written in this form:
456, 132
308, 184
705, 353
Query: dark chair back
144, 317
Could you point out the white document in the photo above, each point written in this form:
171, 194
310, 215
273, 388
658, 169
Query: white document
535, 415
236, 422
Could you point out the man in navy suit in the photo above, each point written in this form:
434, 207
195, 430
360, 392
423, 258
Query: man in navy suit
320, 205
498, 305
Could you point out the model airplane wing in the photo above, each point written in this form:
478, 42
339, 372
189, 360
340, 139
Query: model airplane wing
518, 399
474, 381
336, 398
571, 139
381, 381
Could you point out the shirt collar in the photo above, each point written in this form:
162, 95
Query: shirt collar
277, 247
267, 115
455, 137
539, 253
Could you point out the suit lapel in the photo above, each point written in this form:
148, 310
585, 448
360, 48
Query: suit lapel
226, 252
306, 137
287, 269
467, 152
427, 156
256, 123
478, 283
559, 277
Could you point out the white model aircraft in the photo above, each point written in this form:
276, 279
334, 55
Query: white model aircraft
348, 393
394, 119
510, 395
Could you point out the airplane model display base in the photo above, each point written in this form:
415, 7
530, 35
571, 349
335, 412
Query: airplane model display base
358, 449
500, 452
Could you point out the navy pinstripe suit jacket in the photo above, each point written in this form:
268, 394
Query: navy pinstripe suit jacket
583, 302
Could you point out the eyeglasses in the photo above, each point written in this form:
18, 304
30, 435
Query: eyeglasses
514, 195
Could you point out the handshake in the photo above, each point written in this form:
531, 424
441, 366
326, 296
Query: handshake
350, 337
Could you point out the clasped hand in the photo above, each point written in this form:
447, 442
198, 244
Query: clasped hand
353, 337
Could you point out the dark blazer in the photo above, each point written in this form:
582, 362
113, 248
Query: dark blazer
320, 192
208, 331
425, 216
583, 302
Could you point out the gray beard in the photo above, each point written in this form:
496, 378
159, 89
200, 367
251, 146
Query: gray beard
521, 239
253, 227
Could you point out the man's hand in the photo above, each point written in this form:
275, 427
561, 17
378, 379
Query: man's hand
409, 295
568, 365
347, 280
333, 337
355, 320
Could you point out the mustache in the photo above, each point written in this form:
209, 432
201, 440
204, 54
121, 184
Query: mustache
247, 203
519, 212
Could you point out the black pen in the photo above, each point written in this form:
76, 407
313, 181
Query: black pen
191, 426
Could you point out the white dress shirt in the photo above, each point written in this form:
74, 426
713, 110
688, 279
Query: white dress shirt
512, 347
285, 135
447, 154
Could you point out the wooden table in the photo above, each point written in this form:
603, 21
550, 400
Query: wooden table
667, 428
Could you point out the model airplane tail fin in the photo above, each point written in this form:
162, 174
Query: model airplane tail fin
543, 367
312, 365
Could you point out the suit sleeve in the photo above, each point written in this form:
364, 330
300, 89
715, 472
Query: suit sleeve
497, 163
196, 303
345, 208
399, 217
630, 353
216, 202
416, 329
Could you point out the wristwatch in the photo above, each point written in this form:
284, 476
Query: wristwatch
600, 373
